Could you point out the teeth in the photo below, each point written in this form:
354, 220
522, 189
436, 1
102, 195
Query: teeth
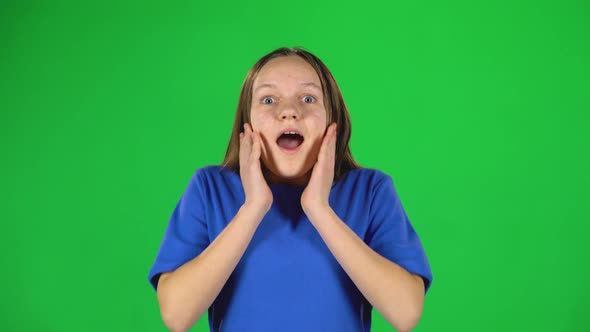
290, 132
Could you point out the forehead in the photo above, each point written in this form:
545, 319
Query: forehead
286, 70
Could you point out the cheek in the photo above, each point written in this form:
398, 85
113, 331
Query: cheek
319, 112
318, 120
266, 143
259, 119
261, 124
254, 119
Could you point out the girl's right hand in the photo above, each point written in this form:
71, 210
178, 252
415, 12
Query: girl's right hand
258, 194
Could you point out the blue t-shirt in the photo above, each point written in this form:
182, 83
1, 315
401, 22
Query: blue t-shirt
287, 279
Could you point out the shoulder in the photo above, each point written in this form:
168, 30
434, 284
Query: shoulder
364, 184
213, 172
214, 176
365, 177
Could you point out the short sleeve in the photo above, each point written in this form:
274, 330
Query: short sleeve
391, 234
186, 235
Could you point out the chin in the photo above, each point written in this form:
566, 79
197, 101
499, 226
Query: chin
294, 169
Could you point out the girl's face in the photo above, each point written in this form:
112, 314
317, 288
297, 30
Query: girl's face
287, 97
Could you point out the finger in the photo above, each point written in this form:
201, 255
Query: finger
245, 145
248, 134
328, 148
334, 133
255, 155
332, 149
327, 138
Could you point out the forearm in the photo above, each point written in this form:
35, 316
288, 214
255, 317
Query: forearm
395, 293
185, 294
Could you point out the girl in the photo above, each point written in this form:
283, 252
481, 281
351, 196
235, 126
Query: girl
290, 233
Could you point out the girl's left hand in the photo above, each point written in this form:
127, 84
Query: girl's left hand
316, 194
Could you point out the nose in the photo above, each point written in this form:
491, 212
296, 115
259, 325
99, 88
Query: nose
288, 112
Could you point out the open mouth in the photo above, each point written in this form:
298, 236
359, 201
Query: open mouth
290, 141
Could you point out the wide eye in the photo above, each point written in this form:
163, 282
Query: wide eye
308, 99
267, 100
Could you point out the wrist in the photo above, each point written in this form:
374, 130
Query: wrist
255, 209
316, 210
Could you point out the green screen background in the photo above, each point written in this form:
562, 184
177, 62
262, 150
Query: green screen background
479, 112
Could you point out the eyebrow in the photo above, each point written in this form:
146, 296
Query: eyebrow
271, 85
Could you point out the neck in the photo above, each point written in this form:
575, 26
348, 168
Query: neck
272, 178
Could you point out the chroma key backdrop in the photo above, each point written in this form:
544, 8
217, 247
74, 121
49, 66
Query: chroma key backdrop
477, 110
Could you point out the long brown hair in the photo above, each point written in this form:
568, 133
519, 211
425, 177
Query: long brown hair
335, 108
